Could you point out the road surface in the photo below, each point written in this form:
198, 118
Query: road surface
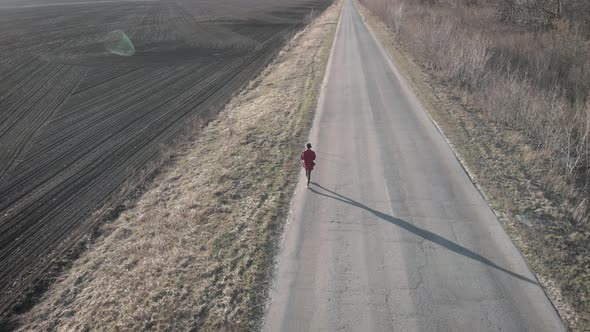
392, 235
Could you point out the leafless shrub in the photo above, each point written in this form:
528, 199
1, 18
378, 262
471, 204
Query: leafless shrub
543, 13
533, 80
530, 12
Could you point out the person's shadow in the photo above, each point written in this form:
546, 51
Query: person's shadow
420, 232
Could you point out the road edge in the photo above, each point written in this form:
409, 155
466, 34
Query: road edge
299, 190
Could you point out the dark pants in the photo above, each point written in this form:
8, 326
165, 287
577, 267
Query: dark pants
308, 175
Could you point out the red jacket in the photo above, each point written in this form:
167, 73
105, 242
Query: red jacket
308, 157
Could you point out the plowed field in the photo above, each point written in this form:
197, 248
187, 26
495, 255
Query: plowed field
77, 121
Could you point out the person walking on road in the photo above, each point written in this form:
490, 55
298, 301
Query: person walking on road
307, 160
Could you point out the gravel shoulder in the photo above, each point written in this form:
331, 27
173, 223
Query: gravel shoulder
196, 250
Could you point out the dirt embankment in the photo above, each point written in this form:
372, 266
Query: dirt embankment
196, 249
504, 166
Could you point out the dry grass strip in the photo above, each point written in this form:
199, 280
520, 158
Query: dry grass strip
195, 251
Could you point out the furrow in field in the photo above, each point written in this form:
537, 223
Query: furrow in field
97, 76
39, 168
29, 111
158, 123
28, 175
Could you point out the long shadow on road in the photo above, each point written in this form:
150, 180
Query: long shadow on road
420, 232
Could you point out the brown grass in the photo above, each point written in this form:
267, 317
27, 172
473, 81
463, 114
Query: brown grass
195, 251
513, 161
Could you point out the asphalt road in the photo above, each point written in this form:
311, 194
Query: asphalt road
392, 235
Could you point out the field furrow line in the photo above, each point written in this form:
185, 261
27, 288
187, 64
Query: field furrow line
98, 139
18, 131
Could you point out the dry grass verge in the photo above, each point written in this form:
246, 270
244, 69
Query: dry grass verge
505, 166
195, 251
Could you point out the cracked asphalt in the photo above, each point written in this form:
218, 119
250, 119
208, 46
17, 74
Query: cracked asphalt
392, 235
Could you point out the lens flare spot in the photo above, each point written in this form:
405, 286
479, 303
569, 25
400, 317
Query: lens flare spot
116, 42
